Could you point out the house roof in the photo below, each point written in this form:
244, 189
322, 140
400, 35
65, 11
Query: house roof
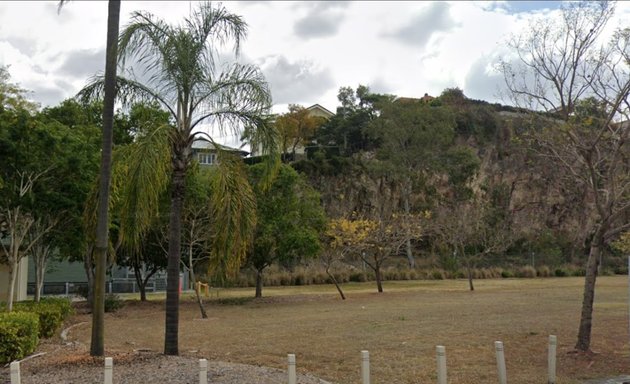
412, 100
318, 110
200, 143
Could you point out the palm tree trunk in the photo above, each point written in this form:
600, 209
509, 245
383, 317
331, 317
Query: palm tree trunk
586, 320
174, 254
97, 345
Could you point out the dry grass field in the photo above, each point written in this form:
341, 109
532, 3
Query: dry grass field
400, 328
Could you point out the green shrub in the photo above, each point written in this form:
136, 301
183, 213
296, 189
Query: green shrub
50, 315
64, 304
560, 272
577, 271
437, 275
113, 303
506, 274
234, 300
18, 335
357, 277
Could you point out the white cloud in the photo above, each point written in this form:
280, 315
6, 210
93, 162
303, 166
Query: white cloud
438, 45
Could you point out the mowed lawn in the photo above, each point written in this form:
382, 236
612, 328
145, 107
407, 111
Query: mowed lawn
400, 328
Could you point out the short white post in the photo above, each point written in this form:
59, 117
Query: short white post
15, 372
292, 375
628, 295
203, 371
441, 364
551, 359
498, 347
365, 367
109, 366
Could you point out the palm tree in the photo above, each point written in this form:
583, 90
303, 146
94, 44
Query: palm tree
180, 67
97, 344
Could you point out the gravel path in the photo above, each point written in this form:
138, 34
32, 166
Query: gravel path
71, 364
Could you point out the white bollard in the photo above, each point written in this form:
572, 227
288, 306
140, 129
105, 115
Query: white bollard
551, 359
203, 371
441, 364
109, 367
365, 367
15, 372
498, 347
292, 375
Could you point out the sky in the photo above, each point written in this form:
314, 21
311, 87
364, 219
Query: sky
307, 50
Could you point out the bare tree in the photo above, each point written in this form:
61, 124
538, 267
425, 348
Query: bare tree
16, 223
563, 68
196, 235
474, 230
41, 251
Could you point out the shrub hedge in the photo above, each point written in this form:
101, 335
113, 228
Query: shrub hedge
50, 311
18, 335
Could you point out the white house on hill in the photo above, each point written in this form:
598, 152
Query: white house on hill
314, 110
206, 153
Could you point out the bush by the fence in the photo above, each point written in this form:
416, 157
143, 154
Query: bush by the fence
113, 303
50, 315
315, 274
18, 335
63, 303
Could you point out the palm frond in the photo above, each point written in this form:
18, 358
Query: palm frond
144, 39
128, 92
218, 25
234, 212
144, 169
235, 95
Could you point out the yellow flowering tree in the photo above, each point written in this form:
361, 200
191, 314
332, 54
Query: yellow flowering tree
373, 240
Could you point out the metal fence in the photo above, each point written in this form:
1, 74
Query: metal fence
116, 285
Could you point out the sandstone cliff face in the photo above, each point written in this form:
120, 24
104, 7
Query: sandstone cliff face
538, 194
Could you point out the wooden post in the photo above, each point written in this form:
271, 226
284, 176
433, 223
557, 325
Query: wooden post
365, 367
551, 359
441, 364
292, 374
15, 372
203, 371
498, 347
109, 367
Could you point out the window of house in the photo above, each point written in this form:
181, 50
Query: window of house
207, 158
